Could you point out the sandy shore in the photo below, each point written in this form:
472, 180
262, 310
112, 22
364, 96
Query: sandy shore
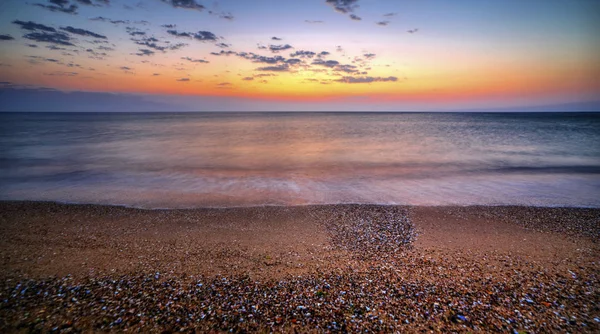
313, 268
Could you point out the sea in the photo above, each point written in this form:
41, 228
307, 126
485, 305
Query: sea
188, 160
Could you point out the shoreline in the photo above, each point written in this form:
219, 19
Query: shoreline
448, 268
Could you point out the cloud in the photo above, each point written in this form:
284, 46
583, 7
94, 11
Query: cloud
326, 63
383, 23
313, 21
324, 53
6, 38
276, 38
132, 31
179, 34
199, 36
346, 68
248, 78
224, 84
227, 16
343, 6
152, 42
169, 26
62, 74
183, 79
278, 68
59, 6
369, 55
261, 59
205, 36
105, 19
353, 80
195, 60
54, 38
155, 74
303, 54
186, 4
412, 31
32, 26
82, 32
145, 52
277, 48
355, 18
223, 45
293, 61
390, 14
223, 53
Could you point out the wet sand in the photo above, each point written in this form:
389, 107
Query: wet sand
311, 268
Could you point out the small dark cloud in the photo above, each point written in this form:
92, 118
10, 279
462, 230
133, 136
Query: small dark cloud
227, 16
169, 26
31, 45
132, 31
105, 48
62, 74
96, 55
277, 48
224, 84
152, 42
369, 55
179, 34
346, 68
390, 14
223, 53
383, 23
326, 63
353, 80
6, 38
276, 38
303, 54
199, 36
183, 79
313, 21
54, 47
98, 3
343, 6
324, 53
339, 48
82, 32
412, 31
186, 4
223, 45
54, 38
248, 78
155, 74
32, 26
293, 61
126, 68
59, 6
205, 36
195, 60
278, 68
144, 52
355, 17
105, 19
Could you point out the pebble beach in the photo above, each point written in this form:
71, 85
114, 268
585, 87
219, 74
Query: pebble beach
328, 268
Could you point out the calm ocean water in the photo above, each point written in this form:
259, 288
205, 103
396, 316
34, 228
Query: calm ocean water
194, 160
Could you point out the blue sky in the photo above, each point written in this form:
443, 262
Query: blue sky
358, 54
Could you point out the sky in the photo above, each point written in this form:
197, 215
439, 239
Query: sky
343, 55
